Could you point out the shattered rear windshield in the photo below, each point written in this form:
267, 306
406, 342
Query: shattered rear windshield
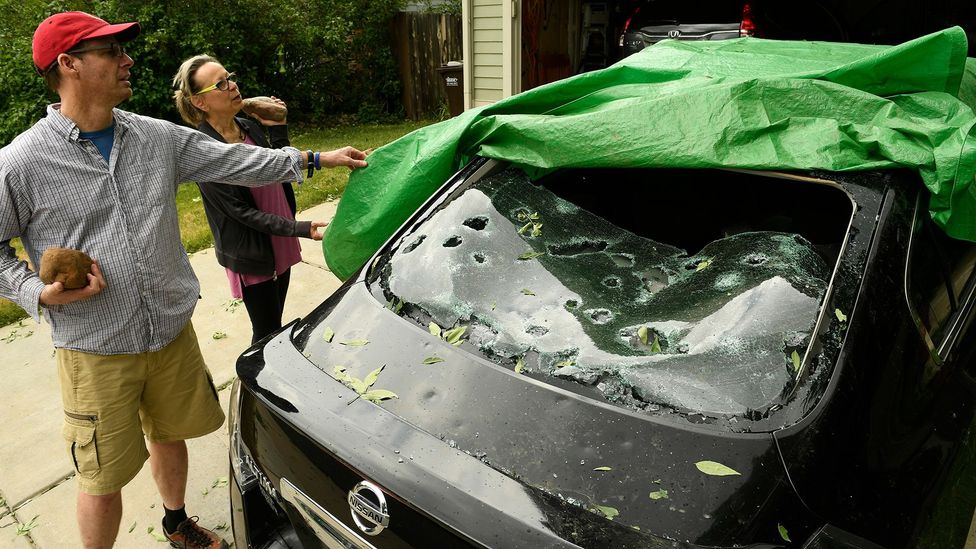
553, 291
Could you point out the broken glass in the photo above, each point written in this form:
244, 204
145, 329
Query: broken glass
568, 295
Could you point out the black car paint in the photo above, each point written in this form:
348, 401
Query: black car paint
308, 428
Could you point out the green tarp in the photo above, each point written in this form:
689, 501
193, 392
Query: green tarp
745, 103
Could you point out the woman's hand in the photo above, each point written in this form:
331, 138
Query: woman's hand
55, 294
346, 156
316, 225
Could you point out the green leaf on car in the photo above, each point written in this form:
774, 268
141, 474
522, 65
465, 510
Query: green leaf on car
783, 533
715, 469
433, 360
658, 494
527, 291
656, 345
453, 336
378, 395
795, 358
525, 228
603, 468
434, 329
607, 511
642, 334
371, 377
530, 255
703, 265
355, 342
536, 230
564, 363
519, 365
840, 315
328, 334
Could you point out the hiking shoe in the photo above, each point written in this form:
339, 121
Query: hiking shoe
190, 535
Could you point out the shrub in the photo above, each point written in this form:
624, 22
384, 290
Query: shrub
322, 57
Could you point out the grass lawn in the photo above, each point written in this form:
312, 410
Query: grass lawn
326, 185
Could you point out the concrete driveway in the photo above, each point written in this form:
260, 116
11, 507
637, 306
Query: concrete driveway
37, 486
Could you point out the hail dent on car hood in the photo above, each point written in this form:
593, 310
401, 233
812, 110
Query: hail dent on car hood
566, 294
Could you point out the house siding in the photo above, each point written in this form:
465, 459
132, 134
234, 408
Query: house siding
485, 62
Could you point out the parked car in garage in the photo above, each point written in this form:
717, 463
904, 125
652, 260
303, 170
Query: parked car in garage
622, 358
651, 21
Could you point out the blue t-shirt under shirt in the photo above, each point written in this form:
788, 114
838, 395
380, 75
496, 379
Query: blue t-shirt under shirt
102, 139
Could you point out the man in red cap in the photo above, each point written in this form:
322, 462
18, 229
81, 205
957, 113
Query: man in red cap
98, 179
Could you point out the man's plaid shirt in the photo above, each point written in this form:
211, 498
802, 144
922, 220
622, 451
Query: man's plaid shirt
56, 190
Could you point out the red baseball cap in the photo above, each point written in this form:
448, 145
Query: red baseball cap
62, 31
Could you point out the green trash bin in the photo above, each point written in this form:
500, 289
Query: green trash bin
453, 75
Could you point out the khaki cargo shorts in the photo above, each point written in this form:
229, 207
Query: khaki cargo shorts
112, 403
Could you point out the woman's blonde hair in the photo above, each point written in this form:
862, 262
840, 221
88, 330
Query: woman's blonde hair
183, 89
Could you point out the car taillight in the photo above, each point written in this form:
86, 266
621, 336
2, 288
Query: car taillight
747, 27
627, 26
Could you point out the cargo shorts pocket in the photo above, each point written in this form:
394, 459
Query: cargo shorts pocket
79, 434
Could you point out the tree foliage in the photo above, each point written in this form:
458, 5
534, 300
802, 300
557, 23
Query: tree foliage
324, 57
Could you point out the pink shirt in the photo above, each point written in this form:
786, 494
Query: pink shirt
287, 250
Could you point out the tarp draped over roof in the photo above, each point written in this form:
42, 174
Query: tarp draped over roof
745, 103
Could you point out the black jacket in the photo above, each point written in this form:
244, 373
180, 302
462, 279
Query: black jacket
242, 232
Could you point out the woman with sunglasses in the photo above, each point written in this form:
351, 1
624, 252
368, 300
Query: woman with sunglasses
254, 228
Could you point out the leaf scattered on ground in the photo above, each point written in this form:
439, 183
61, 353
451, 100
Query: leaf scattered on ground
221, 526
24, 529
602, 468
658, 494
328, 334
715, 468
607, 511
231, 305
133, 527
433, 360
219, 335
158, 536
219, 482
355, 342
18, 333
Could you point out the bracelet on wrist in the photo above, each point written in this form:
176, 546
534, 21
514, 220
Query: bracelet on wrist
318, 166
310, 157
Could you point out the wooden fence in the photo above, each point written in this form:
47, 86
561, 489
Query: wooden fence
422, 42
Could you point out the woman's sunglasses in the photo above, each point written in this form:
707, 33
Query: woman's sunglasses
223, 84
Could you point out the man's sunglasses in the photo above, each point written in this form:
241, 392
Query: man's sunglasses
223, 84
117, 49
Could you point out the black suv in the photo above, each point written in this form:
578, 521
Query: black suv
625, 358
651, 21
